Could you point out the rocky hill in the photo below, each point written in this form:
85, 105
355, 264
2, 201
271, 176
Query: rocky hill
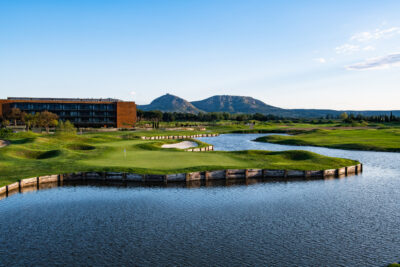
235, 104
170, 103
245, 104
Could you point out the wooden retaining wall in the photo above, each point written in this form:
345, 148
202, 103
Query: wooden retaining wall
200, 149
229, 174
176, 136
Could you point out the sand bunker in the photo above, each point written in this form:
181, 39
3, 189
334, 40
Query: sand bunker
181, 145
4, 143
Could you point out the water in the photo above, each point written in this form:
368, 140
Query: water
351, 221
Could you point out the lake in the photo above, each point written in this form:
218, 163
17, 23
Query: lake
336, 222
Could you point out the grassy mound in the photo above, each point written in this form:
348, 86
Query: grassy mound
49, 154
299, 155
37, 154
80, 147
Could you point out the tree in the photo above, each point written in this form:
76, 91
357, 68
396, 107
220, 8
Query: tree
5, 123
60, 127
47, 119
65, 128
154, 116
139, 115
344, 116
69, 128
29, 120
14, 114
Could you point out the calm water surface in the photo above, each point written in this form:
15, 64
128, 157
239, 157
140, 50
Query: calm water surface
352, 221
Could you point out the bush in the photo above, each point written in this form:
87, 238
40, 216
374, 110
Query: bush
5, 133
65, 128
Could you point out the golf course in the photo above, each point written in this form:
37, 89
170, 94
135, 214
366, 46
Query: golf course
30, 154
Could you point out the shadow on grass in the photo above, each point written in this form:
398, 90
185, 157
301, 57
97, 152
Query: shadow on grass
22, 141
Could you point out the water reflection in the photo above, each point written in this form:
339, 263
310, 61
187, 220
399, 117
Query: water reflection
255, 222
187, 184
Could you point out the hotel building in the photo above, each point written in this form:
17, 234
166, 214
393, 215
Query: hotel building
81, 112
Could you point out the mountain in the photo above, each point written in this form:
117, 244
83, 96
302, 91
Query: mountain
245, 104
170, 103
235, 104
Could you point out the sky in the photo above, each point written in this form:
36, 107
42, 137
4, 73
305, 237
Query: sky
290, 54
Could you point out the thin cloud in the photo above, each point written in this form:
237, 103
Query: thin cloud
375, 35
347, 49
369, 48
385, 62
320, 60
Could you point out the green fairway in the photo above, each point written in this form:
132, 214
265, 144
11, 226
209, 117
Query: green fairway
31, 155
358, 139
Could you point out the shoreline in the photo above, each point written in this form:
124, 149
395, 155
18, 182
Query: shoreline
227, 174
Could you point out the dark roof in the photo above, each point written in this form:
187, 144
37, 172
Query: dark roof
66, 99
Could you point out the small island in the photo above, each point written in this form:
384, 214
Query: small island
143, 153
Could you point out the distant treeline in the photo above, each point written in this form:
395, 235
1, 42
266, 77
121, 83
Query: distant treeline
157, 116
201, 117
376, 118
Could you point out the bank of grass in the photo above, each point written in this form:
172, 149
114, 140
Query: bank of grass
381, 139
31, 155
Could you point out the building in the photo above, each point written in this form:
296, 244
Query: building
81, 112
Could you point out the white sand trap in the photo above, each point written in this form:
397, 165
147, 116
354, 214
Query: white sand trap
4, 143
181, 145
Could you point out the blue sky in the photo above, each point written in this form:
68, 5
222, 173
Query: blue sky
291, 54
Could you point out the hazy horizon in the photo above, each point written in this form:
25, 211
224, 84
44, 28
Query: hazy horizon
312, 55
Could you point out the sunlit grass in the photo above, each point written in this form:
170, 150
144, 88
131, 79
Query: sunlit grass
31, 155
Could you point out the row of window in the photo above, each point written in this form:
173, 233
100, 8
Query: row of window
84, 113
56, 106
92, 120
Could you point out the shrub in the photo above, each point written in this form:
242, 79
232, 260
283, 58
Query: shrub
65, 128
5, 133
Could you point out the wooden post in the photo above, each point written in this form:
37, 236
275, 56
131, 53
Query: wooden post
37, 182
19, 186
6, 190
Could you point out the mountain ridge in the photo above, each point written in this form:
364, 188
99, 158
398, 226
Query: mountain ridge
245, 104
170, 103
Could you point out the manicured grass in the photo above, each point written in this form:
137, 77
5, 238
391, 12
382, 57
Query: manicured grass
360, 139
32, 155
